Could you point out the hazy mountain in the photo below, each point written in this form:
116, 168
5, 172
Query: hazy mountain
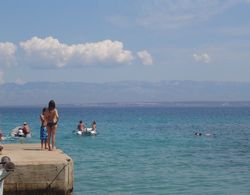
39, 93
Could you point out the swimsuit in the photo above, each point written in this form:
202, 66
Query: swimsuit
51, 124
43, 133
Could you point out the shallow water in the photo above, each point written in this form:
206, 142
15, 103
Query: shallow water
151, 150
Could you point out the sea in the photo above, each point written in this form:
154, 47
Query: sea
150, 149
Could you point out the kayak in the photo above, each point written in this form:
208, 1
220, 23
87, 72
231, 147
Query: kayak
18, 132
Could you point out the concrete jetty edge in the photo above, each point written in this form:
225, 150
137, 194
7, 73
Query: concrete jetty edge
38, 171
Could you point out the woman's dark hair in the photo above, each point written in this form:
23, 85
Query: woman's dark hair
44, 109
52, 105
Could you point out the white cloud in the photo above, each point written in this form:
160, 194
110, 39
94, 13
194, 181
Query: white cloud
145, 57
20, 81
1, 77
204, 58
51, 51
171, 14
7, 53
48, 49
48, 52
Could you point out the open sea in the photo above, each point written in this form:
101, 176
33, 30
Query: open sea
150, 150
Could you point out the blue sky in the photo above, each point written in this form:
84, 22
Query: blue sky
117, 40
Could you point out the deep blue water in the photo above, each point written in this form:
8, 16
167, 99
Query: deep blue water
151, 150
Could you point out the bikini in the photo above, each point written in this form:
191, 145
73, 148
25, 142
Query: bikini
51, 124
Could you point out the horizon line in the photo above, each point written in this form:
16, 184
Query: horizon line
141, 104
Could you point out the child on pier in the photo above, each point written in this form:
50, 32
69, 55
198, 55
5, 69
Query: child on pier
43, 130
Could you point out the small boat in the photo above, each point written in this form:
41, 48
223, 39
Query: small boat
87, 131
18, 132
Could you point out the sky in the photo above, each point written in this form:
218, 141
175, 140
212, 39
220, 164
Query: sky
115, 40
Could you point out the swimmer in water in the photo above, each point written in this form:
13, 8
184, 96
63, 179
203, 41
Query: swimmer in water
198, 134
210, 134
206, 134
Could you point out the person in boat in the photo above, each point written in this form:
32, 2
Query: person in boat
51, 118
93, 126
81, 126
26, 128
43, 130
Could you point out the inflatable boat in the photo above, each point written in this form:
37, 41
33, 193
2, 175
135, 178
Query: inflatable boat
87, 131
18, 132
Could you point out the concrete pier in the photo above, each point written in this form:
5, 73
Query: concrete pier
37, 171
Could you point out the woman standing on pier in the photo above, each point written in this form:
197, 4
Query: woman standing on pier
51, 116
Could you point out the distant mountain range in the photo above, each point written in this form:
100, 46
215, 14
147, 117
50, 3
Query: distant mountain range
127, 92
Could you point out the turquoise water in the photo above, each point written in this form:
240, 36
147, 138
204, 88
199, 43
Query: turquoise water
151, 150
